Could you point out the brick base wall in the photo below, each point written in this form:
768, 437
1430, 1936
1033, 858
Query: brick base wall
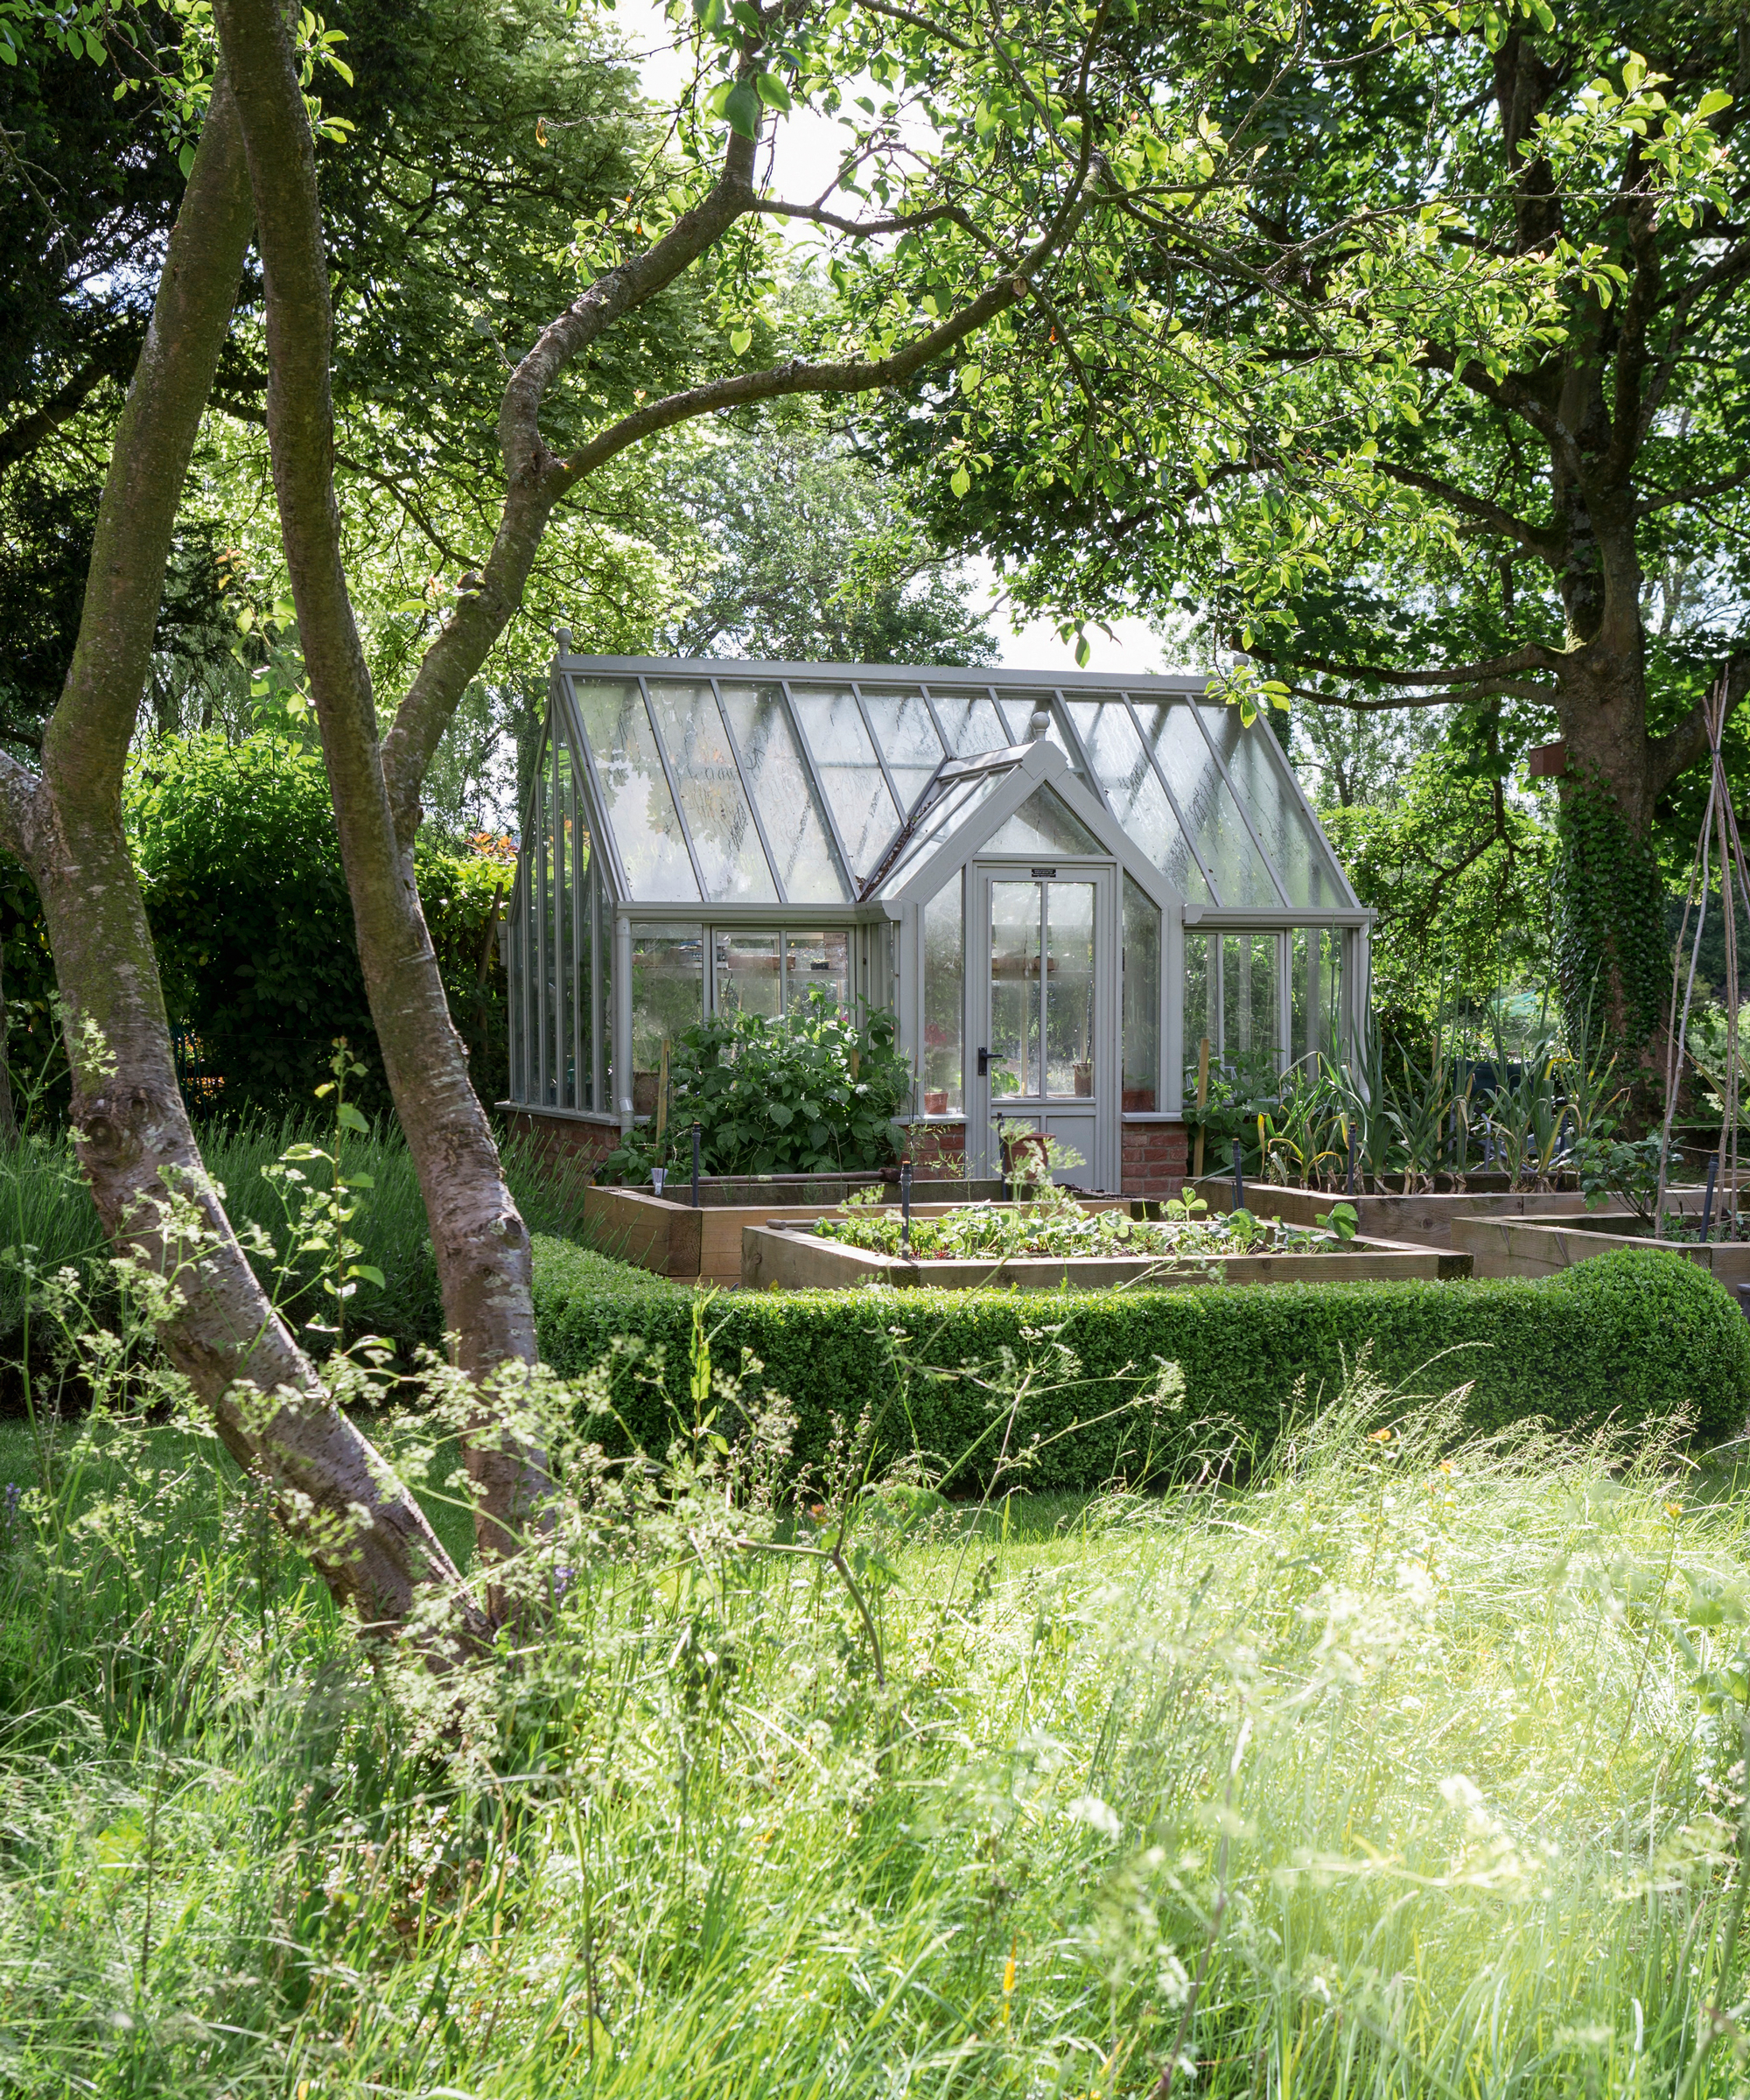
1155, 1158
938, 1151
562, 1142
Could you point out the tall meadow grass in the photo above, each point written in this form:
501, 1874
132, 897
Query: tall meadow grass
46, 1206
1411, 1768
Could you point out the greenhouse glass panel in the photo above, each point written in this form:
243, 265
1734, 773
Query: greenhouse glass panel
1259, 781
1044, 824
817, 962
944, 1002
907, 738
604, 1000
1249, 1006
1069, 988
1014, 987
957, 803
586, 956
1224, 846
1315, 976
725, 842
1017, 712
848, 771
1141, 962
750, 977
970, 723
667, 995
638, 808
567, 890
790, 808
1198, 1006
1134, 794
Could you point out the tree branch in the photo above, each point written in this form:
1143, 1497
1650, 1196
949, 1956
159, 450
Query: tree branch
1703, 491
1489, 689
21, 438
1674, 754
1534, 656
537, 480
1512, 397
1544, 544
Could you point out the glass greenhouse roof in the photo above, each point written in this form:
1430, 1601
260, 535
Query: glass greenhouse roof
743, 783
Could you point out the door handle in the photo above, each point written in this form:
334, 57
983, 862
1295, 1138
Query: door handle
983, 1064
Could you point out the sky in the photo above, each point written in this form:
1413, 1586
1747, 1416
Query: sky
806, 153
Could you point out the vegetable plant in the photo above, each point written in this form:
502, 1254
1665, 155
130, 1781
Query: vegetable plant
813, 1092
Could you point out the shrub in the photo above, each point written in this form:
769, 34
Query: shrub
253, 923
1634, 1337
815, 1092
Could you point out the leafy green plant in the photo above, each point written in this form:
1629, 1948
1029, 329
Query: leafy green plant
811, 1093
1707, 1044
1623, 1169
1185, 1232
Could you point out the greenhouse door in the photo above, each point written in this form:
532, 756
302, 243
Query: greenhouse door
1044, 1016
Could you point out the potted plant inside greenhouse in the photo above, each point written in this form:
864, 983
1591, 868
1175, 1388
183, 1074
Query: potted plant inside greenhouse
1009, 900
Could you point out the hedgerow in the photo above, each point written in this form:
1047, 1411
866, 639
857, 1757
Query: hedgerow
1631, 1338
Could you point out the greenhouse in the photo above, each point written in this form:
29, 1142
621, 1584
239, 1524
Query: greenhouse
1059, 888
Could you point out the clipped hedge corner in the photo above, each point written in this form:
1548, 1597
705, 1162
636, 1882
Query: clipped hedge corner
1633, 1337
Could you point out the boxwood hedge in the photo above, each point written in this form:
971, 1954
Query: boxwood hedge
1634, 1337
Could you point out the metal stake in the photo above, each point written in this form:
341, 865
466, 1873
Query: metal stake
905, 1208
1350, 1182
698, 1133
1707, 1200
1239, 1180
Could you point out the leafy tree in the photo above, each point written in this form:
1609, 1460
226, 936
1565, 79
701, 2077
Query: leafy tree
1002, 184
1484, 510
803, 551
1460, 873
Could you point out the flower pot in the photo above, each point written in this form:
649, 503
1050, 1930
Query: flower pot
935, 1100
1084, 1080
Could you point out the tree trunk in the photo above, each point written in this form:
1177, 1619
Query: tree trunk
1612, 954
478, 1238
337, 1500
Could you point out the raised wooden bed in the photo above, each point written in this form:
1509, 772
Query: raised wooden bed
778, 1258
1544, 1246
1425, 1221
667, 1234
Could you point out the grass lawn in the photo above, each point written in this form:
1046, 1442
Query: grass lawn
1405, 1770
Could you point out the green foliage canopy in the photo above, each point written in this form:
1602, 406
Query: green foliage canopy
250, 914
1460, 872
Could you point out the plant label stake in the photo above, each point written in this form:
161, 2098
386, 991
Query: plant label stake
905, 1208
1707, 1200
698, 1133
1239, 1180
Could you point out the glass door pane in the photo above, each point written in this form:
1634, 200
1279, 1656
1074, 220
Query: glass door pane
1069, 988
1014, 987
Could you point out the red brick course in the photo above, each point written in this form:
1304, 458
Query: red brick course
563, 1141
938, 1151
1155, 1158
1155, 1154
